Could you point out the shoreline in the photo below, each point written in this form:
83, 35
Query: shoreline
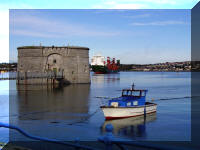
151, 71
5, 71
155, 71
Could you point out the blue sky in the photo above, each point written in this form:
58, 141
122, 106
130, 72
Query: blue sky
133, 36
139, 33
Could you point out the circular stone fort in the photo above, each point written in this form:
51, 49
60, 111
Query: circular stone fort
37, 64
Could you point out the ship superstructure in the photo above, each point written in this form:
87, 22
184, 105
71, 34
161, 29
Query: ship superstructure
100, 66
98, 60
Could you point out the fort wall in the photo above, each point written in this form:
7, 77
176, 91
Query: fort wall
72, 61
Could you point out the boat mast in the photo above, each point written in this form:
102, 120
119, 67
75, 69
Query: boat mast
133, 86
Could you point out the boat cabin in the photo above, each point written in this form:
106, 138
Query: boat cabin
129, 98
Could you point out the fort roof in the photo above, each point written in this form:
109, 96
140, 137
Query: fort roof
36, 47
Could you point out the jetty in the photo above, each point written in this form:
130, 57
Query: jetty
24, 77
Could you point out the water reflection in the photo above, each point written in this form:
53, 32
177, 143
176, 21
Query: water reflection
108, 78
130, 127
35, 102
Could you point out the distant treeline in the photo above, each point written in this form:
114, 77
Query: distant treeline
128, 67
168, 66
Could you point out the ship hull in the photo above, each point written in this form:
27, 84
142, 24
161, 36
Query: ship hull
111, 112
102, 69
99, 69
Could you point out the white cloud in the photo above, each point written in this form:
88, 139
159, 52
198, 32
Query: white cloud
42, 27
171, 2
128, 6
159, 23
138, 16
33, 33
144, 4
118, 5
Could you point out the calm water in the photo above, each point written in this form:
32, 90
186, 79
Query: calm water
73, 111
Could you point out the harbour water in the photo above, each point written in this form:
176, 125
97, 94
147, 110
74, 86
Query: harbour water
73, 111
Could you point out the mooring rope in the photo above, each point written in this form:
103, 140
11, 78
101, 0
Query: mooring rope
174, 98
170, 98
86, 118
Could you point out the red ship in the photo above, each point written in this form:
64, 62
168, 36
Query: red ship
111, 66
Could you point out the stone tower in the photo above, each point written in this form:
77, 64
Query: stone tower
72, 61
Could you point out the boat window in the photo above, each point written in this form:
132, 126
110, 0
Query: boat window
129, 104
115, 104
127, 92
136, 93
135, 103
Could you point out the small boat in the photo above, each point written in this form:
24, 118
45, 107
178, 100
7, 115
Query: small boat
132, 103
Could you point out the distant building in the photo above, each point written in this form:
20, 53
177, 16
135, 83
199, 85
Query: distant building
98, 60
146, 69
72, 61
